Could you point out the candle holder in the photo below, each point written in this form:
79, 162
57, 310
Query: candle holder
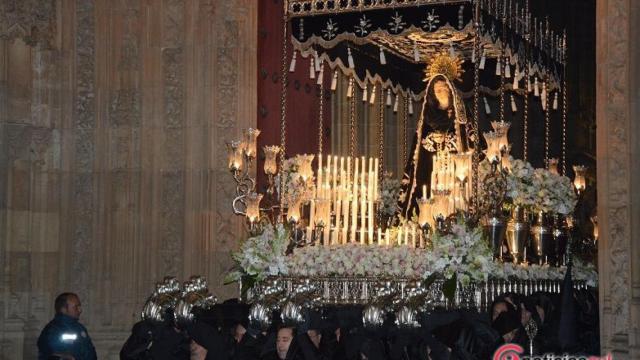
271, 165
580, 181
245, 184
552, 166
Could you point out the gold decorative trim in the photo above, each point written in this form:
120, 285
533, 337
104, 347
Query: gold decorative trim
299, 8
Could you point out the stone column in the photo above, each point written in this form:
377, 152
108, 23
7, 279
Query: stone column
618, 156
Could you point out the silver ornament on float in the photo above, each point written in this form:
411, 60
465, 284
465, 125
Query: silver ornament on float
372, 316
164, 297
260, 315
291, 313
407, 318
195, 294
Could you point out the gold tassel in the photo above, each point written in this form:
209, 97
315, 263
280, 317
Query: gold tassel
292, 66
334, 81
372, 99
383, 59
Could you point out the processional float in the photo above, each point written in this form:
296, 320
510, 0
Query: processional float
329, 229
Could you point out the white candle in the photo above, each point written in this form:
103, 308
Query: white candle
413, 236
406, 236
399, 236
387, 236
354, 201
363, 216
434, 170
335, 176
312, 213
319, 178
375, 179
327, 181
338, 212
309, 234
363, 194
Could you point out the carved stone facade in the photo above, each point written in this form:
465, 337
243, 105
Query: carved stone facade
112, 171
618, 151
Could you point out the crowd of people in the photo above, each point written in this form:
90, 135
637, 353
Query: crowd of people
224, 332
338, 333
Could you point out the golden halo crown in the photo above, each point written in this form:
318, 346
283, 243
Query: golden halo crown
446, 65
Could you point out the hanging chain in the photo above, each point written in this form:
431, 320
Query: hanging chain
476, 110
504, 61
381, 135
547, 121
352, 119
525, 121
405, 120
564, 105
283, 102
321, 116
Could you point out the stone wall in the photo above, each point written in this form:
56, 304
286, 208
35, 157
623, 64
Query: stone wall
618, 155
113, 121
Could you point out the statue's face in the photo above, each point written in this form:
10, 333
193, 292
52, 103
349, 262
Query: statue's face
443, 95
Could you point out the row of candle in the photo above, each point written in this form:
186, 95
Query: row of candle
407, 235
348, 189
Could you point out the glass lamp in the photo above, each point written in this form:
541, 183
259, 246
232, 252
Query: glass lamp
552, 166
253, 206
493, 140
323, 212
234, 151
424, 215
304, 166
462, 162
270, 162
293, 213
251, 142
501, 128
580, 180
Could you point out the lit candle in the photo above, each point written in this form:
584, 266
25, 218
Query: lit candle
335, 177
434, 170
413, 236
253, 206
375, 180
338, 209
270, 162
363, 194
354, 201
319, 179
406, 236
251, 141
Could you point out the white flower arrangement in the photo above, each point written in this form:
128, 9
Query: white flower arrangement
389, 194
262, 255
296, 187
536, 189
462, 255
554, 193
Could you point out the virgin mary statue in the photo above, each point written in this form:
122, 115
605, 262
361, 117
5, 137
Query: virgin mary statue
441, 129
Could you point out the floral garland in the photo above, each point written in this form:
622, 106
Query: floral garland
462, 255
